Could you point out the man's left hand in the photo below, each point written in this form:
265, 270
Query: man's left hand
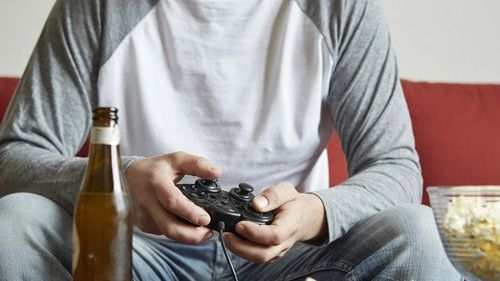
298, 217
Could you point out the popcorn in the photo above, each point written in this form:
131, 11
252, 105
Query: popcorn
472, 228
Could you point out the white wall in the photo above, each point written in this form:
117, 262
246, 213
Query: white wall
436, 40
447, 40
20, 24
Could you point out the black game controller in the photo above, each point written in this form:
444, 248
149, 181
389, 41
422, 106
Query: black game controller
222, 206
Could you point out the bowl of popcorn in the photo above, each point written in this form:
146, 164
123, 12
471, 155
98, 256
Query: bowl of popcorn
468, 220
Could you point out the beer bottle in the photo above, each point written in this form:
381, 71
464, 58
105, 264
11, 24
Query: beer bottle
102, 224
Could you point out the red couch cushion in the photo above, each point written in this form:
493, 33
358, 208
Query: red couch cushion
457, 134
336, 161
7, 87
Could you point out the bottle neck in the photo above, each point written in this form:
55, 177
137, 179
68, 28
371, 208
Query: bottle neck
104, 172
105, 154
108, 134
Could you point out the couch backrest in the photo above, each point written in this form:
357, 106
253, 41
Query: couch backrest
7, 87
457, 132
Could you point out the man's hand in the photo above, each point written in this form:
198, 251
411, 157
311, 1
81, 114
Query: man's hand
159, 206
298, 217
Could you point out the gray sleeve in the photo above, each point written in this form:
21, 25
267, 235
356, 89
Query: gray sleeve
49, 117
371, 117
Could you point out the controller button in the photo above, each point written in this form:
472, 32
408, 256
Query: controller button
245, 188
207, 185
243, 192
253, 215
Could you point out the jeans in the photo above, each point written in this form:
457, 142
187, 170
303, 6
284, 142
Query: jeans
400, 243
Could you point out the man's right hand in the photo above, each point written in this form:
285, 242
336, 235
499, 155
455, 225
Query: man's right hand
159, 207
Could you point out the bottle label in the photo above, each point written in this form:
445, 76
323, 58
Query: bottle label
105, 135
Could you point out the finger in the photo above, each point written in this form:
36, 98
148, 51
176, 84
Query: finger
176, 229
172, 199
279, 256
274, 197
282, 228
251, 251
194, 165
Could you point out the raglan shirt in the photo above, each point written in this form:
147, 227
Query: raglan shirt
257, 87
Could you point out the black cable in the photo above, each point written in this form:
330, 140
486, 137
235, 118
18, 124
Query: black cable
221, 225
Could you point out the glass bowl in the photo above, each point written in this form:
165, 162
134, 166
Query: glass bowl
468, 220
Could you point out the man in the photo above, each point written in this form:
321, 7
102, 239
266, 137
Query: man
252, 89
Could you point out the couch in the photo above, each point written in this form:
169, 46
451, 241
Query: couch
456, 127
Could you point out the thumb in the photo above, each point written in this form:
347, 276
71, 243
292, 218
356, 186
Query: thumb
274, 197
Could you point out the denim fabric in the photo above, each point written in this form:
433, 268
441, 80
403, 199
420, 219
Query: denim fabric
400, 243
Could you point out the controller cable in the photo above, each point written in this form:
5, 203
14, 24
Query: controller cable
221, 226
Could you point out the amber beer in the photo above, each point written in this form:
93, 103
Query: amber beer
102, 226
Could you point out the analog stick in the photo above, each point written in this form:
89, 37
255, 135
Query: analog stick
207, 185
242, 192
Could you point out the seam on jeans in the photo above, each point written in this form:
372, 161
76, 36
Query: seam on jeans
341, 266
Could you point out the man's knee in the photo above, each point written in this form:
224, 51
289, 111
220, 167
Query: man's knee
36, 231
29, 209
27, 217
413, 231
414, 223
